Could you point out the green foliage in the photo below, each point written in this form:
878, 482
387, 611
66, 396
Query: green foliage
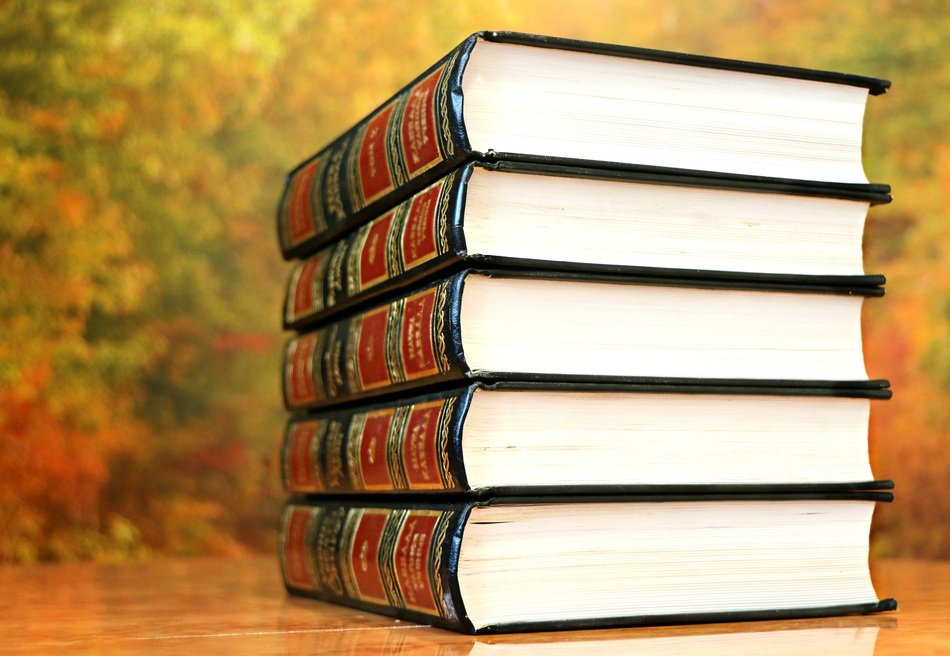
142, 150
135, 204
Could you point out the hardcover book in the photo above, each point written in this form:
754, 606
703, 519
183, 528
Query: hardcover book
489, 326
498, 565
521, 438
509, 96
517, 215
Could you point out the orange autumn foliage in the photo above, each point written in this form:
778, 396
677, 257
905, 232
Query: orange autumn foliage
54, 472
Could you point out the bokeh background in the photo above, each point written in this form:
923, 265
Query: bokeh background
142, 151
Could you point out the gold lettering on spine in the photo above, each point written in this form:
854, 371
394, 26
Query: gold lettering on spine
335, 275
335, 472
417, 124
417, 446
419, 127
371, 150
327, 544
413, 561
334, 183
372, 449
417, 233
418, 459
371, 166
418, 336
373, 245
332, 376
363, 555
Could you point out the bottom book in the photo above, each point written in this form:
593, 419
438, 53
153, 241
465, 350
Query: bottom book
521, 564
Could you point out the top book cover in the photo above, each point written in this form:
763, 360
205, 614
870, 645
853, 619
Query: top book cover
530, 98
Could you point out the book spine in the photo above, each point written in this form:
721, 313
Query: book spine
381, 159
410, 446
410, 342
419, 235
395, 561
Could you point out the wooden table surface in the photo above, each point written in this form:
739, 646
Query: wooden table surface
240, 607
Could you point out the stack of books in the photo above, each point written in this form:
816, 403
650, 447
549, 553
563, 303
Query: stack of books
577, 342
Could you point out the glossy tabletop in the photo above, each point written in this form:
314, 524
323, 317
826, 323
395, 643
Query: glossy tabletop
240, 607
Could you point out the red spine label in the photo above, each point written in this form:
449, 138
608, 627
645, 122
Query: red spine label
419, 241
300, 385
420, 447
364, 559
303, 468
374, 260
295, 550
412, 566
418, 130
374, 465
300, 223
304, 292
375, 178
371, 350
417, 350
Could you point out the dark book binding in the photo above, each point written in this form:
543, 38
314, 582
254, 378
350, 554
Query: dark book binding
875, 86
400, 558
415, 341
415, 444
423, 237
418, 135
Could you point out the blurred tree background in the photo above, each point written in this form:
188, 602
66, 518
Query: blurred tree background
142, 151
